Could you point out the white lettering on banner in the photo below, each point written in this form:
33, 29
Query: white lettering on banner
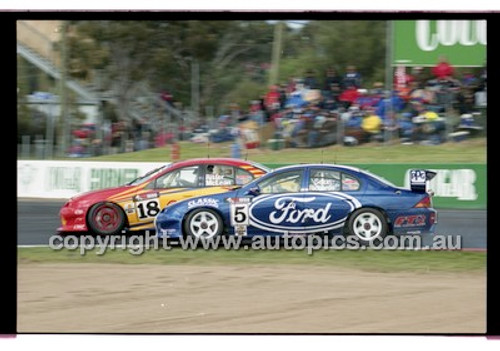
481, 32
289, 212
64, 179
425, 40
459, 183
449, 33
101, 178
455, 183
27, 174
468, 35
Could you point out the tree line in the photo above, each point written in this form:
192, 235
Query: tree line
233, 56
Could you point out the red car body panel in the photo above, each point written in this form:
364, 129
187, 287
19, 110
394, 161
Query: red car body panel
74, 213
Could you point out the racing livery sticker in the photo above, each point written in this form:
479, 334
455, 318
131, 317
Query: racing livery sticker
239, 214
205, 201
410, 221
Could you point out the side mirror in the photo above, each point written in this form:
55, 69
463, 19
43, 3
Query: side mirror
255, 191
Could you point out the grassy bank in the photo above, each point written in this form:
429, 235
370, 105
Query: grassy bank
379, 261
470, 151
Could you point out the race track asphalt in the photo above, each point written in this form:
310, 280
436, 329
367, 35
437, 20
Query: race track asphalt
37, 221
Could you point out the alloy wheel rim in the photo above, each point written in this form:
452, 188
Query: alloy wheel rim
106, 218
204, 225
367, 226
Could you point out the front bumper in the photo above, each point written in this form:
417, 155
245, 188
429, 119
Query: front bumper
72, 219
167, 228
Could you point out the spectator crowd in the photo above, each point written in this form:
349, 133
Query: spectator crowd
317, 110
420, 108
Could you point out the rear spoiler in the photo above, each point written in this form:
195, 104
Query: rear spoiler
419, 178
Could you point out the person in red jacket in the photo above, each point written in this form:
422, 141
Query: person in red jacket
443, 69
272, 98
349, 96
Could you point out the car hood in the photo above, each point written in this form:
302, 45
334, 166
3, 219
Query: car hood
102, 194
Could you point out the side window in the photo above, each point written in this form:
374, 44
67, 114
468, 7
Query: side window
349, 183
243, 177
219, 175
287, 182
324, 180
186, 177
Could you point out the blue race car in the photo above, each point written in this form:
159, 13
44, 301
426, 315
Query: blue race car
307, 199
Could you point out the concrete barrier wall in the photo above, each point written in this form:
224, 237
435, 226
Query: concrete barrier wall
64, 179
455, 186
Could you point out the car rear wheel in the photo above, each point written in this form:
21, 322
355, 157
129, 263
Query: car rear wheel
106, 218
368, 225
203, 224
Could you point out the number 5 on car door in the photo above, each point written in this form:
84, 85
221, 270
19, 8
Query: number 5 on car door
239, 214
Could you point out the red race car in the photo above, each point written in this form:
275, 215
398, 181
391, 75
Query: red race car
134, 206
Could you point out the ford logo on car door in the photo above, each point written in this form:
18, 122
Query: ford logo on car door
301, 212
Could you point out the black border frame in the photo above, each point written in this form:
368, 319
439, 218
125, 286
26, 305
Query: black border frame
8, 258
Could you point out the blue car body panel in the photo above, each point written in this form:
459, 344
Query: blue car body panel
306, 211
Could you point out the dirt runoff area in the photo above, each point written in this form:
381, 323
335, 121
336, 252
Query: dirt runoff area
115, 298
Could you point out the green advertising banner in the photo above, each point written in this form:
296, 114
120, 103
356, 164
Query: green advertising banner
455, 185
420, 43
460, 186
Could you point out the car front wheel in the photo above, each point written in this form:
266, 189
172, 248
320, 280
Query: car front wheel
203, 224
106, 218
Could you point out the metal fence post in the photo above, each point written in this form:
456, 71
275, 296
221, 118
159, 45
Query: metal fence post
448, 114
388, 77
39, 147
25, 147
340, 131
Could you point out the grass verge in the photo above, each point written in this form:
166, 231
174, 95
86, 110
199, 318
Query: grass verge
469, 151
376, 261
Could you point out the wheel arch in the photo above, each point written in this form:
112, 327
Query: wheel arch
374, 207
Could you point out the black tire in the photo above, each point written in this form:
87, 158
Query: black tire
204, 224
369, 225
106, 218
